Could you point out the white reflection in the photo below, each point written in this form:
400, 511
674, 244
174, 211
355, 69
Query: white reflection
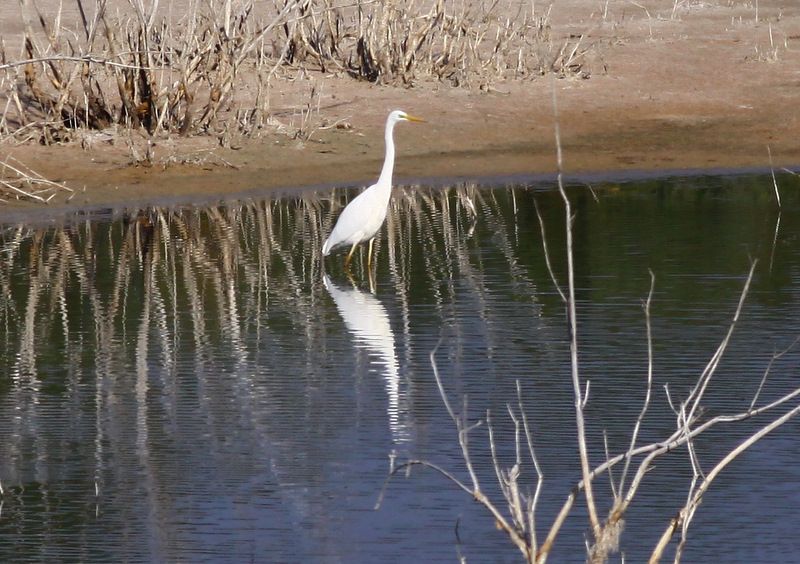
367, 321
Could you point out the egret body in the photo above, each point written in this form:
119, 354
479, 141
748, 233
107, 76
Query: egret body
362, 218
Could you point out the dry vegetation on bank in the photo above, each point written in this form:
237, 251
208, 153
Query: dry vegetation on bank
241, 84
207, 67
133, 71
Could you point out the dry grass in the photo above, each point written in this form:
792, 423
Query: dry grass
19, 182
135, 66
463, 43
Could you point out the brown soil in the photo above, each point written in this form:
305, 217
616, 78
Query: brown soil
703, 89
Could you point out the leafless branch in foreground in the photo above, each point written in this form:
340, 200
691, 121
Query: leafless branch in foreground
685, 515
572, 315
520, 525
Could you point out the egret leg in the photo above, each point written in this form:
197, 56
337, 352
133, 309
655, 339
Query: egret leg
350, 255
369, 254
371, 274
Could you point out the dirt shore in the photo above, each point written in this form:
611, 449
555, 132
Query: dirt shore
712, 85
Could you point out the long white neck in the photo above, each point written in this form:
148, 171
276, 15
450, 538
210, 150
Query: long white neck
388, 163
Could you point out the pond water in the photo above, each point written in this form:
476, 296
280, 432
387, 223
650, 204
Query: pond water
193, 384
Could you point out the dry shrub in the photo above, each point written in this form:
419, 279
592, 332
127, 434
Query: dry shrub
137, 65
463, 42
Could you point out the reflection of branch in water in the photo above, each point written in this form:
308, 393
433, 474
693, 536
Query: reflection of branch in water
126, 308
774, 240
230, 263
367, 321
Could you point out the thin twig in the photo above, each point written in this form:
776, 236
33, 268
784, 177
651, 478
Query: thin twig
774, 182
411, 463
547, 253
697, 392
774, 241
91, 59
649, 388
533, 504
692, 504
772, 360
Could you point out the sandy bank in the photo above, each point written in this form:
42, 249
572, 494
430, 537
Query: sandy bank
707, 88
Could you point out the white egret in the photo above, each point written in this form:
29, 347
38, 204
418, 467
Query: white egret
363, 217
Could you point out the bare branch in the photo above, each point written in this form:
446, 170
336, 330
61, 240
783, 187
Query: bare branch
774, 241
573, 330
442, 394
411, 463
696, 395
685, 513
774, 182
547, 253
89, 59
648, 391
533, 503
610, 473
772, 360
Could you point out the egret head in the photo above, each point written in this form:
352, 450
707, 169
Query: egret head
400, 115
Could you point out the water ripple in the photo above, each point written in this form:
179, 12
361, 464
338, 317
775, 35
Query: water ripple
194, 384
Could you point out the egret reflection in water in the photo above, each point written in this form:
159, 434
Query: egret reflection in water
368, 322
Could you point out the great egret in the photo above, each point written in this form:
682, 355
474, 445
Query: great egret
362, 218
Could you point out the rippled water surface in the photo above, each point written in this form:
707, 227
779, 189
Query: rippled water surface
191, 384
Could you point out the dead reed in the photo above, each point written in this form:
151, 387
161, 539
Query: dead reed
137, 68
19, 182
140, 67
463, 43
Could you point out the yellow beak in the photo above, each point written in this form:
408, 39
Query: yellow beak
414, 118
